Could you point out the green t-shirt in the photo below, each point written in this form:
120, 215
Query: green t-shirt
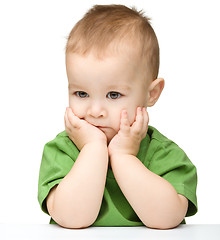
159, 154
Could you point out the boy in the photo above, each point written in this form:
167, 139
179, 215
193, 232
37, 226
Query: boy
109, 168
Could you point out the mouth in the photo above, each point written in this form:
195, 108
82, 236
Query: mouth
101, 127
98, 126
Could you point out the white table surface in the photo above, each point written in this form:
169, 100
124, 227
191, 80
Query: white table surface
46, 231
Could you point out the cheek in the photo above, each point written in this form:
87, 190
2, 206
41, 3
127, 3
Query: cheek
115, 119
78, 109
131, 116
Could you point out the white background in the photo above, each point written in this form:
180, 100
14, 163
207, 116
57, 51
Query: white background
33, 92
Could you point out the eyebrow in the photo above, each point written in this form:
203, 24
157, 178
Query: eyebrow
71, 85
124, 87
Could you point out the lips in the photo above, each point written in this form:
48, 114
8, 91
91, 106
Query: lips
98, 126
101, 127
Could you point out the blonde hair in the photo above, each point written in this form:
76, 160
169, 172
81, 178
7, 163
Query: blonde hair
107, 27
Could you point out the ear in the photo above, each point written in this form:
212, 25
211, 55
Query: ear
154, 91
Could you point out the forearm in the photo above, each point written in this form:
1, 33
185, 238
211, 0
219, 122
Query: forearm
78, 197
153, 198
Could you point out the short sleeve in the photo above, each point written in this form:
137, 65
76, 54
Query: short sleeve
58, 158
170, 162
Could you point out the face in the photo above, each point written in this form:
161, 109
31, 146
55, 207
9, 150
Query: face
100, 89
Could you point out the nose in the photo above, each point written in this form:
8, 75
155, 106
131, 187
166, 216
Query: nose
97, 110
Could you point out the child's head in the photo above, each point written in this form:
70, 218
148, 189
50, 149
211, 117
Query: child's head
112, 59
106, 30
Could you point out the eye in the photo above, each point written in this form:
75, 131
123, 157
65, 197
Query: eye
113, 95
81, 94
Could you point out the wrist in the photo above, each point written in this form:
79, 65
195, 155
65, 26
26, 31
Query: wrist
97, 143
122, 153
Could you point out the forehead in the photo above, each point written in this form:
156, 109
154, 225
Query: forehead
114, 70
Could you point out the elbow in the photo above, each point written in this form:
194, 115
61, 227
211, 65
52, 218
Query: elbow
163, 224
70, 224
72, 221
168, 219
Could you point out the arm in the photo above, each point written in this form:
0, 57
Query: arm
154, 199
76, 201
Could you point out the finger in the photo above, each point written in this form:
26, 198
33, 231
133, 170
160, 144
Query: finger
67, 123
73, 120
65, 118
124, 123
146, 116
72, 111
146, 120
139, 116
139, 120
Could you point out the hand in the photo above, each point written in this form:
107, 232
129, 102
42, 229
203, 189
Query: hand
80, 131
128, 138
